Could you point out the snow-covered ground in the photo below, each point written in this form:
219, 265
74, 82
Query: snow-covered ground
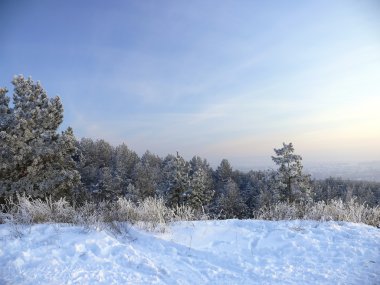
204, 252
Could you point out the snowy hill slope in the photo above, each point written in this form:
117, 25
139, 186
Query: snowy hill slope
202, 252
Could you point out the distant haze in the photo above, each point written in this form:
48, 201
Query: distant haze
218, 79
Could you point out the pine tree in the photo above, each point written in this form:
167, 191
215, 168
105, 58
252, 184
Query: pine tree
126, 162
230, 203
106, 171
292, 184
148, 174
200, 192
176, 172
269, 193
224, 171
250, 189
35, 159
221, 176
110, 185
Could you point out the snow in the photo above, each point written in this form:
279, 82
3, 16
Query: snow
200, 252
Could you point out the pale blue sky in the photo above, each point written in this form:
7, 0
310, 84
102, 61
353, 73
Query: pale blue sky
220, 79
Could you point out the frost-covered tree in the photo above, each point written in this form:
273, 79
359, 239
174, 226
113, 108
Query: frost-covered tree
269, 193
224, 171
230, 203
367, 192
106, 171
126, 161
221, 176
200, 191
148, 175
35, 159
250, 185
94, 156
109, 185
292, 184
166, 178
176, 180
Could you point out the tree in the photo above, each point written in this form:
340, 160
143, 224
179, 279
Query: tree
200, 192
35, 159
292, 184
230, 203
254, 183
109, 186
147, 175
126, 161
94, 156
106, 171
176, 176
268, 189
224, 171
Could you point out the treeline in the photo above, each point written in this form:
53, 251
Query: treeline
109, 172
38, 161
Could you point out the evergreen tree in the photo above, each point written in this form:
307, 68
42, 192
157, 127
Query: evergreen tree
224, 171
106, 171
109, 185
86, 164
222, 176
200, 192
148, 174
176, 171
250, 189
293, 185
35, 159
230, 203
165, 183
126, 162
94, 155
268, 189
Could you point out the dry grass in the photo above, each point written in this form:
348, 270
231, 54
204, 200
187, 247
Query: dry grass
334, 210
150, 214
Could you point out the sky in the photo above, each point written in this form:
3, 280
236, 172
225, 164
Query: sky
218, 79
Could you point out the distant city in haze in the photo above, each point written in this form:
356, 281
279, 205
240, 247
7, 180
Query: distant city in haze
218, 79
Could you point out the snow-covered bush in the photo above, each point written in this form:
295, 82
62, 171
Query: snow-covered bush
91, 215
184, 213
334, 210
26, 210
279, 211
350, 211
125, 210
153, 213
149, 214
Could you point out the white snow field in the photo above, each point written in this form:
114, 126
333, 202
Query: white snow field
201, 252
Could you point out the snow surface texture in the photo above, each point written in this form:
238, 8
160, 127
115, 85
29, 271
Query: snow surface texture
202, 252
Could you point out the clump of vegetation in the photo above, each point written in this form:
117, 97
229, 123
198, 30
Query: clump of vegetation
334, 210
150, 214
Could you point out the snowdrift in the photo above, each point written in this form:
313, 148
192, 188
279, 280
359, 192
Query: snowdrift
200, 252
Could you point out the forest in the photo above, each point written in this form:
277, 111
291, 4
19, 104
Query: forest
40, 163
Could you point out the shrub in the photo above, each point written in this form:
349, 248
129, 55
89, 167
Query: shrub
334, 210
150, 214
25, 210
